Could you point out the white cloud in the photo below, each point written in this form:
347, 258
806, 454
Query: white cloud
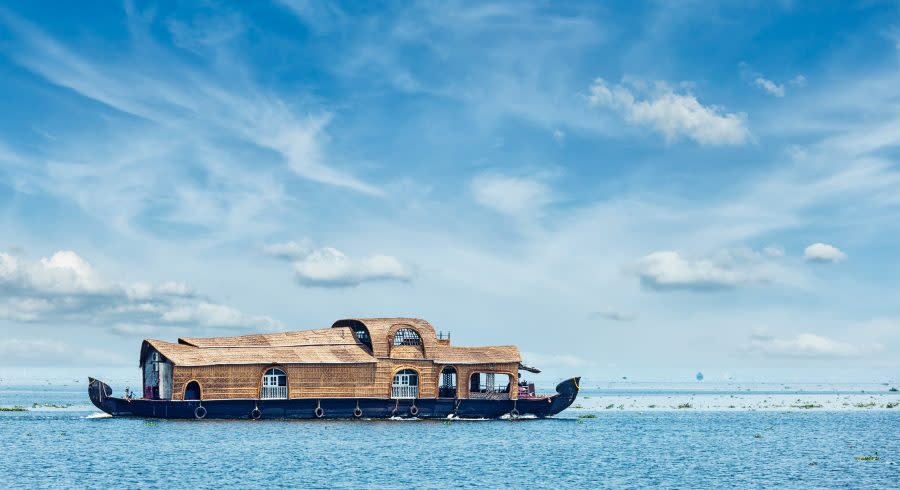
675, 115
291, 250
769, 86
668, 270
329, 267
798, 81
613, 314
66, 288
515, 196
806, 345
559, 136
822, 252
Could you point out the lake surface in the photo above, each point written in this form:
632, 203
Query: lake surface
53, 447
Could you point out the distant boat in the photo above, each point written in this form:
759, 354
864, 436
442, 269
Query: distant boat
358, 368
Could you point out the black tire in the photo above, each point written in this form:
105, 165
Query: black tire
357, 412
255, 414
414, 410
319, 412
200, 412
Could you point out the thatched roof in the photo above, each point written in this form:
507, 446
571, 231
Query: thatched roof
447, 354
336, 345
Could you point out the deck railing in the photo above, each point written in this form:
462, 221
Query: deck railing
274, 392
404, 391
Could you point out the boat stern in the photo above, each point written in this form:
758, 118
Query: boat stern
100, 394
566, 392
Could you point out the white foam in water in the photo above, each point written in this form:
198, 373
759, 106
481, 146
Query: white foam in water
99, 415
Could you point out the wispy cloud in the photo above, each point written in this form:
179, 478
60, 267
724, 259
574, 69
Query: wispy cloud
180, 120
806, 345
328, 267
614, 315
769, 86
675, 115
521, 197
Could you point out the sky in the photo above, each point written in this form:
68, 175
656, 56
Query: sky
622, 189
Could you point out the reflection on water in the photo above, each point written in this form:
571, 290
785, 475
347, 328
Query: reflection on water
674, 449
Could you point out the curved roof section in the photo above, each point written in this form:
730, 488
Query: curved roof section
381, 331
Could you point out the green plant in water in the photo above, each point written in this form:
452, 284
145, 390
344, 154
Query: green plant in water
807, 406
685, 405
610, 406
578, 406
892, 405
651, 406
868, 458
587, 416
865, 405
17, 408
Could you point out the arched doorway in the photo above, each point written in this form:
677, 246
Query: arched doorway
447, 386
192, 391
405, 384
274, 384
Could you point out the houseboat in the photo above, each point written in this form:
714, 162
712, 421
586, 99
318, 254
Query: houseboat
358, 368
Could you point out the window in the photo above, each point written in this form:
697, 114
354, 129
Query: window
192, 391
407, 336
490, 386
447, 388
406, 384
274, 385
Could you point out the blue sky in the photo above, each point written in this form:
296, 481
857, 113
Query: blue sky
637, 189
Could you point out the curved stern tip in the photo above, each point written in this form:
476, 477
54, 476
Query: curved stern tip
99, 393
566, 393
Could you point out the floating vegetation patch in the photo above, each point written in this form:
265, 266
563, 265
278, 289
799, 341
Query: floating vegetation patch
892, 405
651, 406
17, 408
868, 458
610, 406
814, 463
577, 406
865, 405
807, 406
587, 416
50, 405
685, 405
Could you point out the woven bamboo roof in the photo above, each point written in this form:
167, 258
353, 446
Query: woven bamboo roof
322, 336
182, 354
336, 345
447, 354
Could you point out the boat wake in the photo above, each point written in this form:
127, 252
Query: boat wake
99, 415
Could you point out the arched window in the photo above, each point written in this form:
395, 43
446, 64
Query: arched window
274, 384
192, 391
406, 384
407, 336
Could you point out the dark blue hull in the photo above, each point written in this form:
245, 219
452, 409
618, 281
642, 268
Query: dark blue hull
332, 408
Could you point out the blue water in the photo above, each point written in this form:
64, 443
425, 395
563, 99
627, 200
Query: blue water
55, 448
